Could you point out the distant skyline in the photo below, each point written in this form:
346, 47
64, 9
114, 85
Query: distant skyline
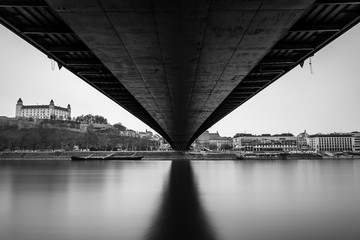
325, 101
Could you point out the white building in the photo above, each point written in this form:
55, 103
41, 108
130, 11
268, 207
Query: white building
42, 111
356, 136
265, 142
334, 142
129, 133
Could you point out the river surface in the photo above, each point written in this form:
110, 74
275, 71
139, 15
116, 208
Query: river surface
164, 200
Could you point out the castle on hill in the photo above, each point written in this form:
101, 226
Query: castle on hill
42, 111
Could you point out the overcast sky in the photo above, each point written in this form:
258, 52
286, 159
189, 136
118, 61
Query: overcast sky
325, 101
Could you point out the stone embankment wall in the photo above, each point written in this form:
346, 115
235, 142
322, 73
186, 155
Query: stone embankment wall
151, 155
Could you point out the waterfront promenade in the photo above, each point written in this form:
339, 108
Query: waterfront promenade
148, 155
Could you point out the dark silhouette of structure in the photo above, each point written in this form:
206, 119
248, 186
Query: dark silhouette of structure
179, 66
181, 215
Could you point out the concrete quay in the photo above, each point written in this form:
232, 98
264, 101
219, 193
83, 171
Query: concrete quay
148, 155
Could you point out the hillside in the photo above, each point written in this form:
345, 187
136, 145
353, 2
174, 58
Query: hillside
28, 134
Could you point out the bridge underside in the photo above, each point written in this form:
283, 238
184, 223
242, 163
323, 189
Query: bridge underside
179, 66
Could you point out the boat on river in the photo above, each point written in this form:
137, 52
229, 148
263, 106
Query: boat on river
107, 157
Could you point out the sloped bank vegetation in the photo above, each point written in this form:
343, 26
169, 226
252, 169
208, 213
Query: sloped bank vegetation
20, 134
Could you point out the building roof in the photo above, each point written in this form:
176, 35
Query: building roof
215, 136
303, 135
264, 135
206, 136
61, 108
332, 135
42, 106
243, 135
284, 135
35, 106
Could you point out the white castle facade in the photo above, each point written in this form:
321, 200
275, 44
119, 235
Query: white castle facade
42, 111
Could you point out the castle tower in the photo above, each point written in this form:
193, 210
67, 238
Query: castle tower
19, 106
52, 109
69, 110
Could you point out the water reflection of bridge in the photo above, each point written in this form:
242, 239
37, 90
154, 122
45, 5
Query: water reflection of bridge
181, 215
179, 66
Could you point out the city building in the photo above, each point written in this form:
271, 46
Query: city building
265, 142
303, 141
245, 141
147, 134
129, 133
356, 136
334, 142
42, 111
206, 139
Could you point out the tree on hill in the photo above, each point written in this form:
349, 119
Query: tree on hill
51, 135
119, 126
91, 119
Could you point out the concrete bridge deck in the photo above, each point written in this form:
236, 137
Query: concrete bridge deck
179, 66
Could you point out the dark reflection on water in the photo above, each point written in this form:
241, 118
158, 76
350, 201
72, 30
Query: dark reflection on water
180, 215
160, 200
57, 200
282, 200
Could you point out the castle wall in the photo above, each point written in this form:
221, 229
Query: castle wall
42, 111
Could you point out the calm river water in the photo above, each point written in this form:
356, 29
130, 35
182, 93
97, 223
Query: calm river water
163, 200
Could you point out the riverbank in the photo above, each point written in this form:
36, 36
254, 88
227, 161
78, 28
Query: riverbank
148, 155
